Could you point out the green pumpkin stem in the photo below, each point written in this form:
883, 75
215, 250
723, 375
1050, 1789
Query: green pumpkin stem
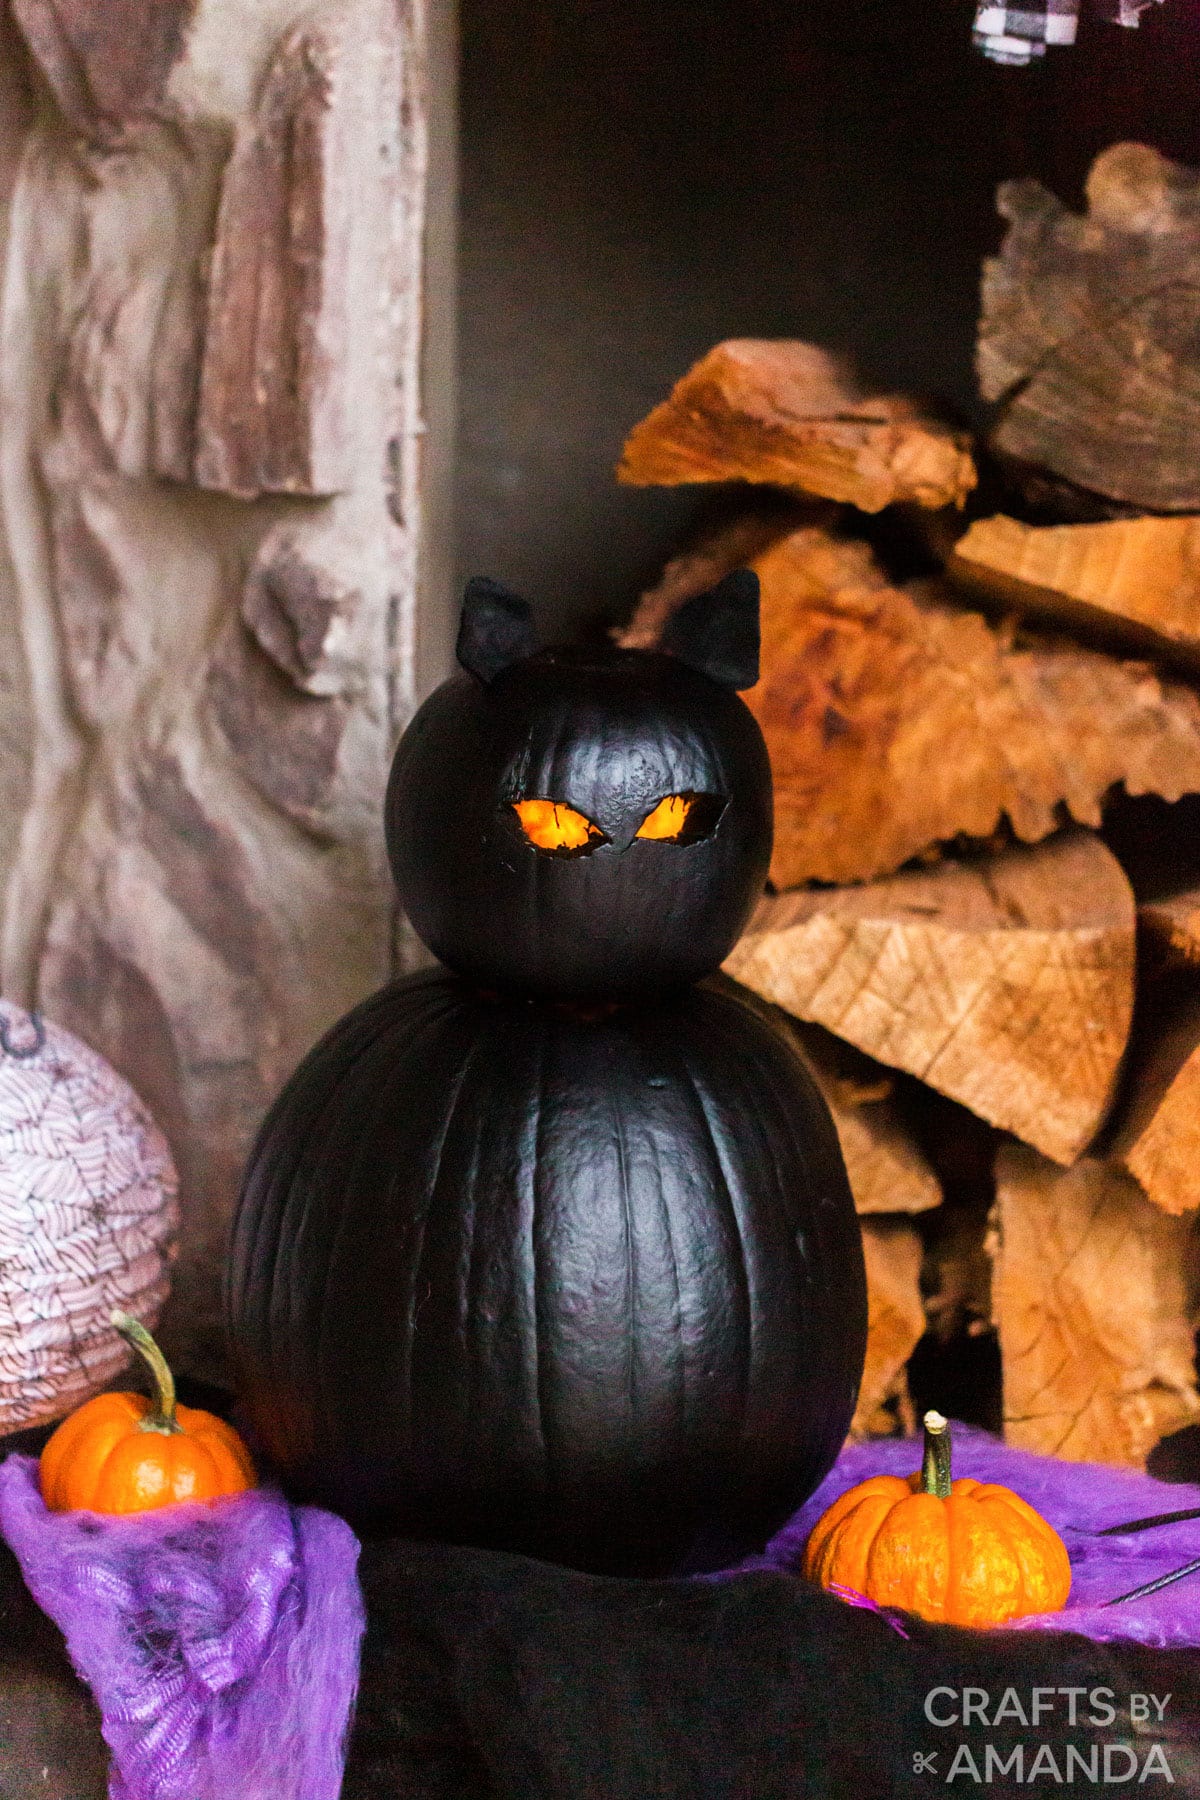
935, 1468
138, 1338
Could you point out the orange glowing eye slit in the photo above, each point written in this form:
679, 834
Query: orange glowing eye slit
669, 819
683, 818
551, 826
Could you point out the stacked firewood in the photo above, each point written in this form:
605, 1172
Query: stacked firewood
981, 696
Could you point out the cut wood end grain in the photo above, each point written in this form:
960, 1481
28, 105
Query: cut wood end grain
1094, 1294
1136, 577
1005, 982
1087, 331
793, 415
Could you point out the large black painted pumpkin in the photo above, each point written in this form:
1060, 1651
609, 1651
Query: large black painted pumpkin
556, 1252
578, 1286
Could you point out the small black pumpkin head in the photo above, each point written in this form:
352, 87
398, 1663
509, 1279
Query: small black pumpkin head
586, 824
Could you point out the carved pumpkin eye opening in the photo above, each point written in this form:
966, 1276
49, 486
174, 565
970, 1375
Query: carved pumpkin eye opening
682, 818
556, 829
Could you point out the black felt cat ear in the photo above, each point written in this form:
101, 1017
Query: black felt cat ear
717, 632
495, 630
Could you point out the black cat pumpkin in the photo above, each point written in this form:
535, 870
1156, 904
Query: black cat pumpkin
556, 1252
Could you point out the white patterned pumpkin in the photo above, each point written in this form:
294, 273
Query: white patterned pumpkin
88, 1216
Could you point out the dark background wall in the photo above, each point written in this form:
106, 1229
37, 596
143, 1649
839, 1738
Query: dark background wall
642, 178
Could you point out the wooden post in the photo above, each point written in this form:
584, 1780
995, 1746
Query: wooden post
214, 487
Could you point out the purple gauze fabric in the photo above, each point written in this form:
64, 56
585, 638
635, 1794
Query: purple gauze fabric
1079, 1499
220, 1641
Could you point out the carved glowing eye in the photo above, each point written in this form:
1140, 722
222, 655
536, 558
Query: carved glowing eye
682, 818
559, 829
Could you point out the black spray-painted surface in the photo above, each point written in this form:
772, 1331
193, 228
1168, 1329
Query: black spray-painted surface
609, 734
557, 1253
583, 1285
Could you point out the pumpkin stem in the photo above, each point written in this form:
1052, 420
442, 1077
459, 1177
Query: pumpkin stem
138, 1338
935, 1468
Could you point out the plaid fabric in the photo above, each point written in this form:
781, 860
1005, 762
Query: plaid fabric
1018, 34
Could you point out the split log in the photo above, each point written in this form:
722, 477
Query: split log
1172, 927
793, 415
1131, 579
1087, 336
1095, 1297
735, 543
198, 887
1005, 982
896, 722
1157, 1140
895, 1325
888, 1173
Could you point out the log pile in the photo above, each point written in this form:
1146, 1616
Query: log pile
984, 907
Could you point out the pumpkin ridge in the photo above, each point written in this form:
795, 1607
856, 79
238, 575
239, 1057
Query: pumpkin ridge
827, 1249
828, 1552
291, 1118
667, 1224
1001, 1532
919, 1521
745, 1373
469, 1310
950, 1591
207, 1428
325, 1197
64, 1445
338, 1196
193, 1455
533, 1271
289, 1105
627, 1233
1037, 1546
841, 1508
862, 1524
1029, 1557
821, 1222
440, 1178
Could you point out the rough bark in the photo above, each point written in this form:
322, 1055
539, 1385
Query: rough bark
1087, 335
1095, 1296
896, 722
791, 414
895, 1324
1136, 580
198, 886
888, 1173
1157, 1138
1005, 982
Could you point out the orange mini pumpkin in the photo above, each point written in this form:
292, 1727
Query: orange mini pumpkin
123, 1453
961, 1553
